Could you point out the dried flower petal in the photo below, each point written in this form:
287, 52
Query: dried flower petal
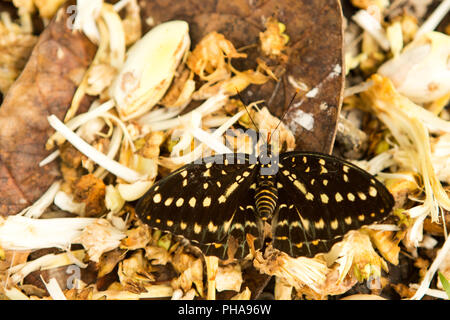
229, 277
99, 237
208, 59
136, 238
356, 254
421, 72
134, 273
150, 66
273, 40
297, 272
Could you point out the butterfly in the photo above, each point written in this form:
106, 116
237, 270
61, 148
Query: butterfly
310, 200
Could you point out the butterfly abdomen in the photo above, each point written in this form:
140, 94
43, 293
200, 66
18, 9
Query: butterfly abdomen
266, 196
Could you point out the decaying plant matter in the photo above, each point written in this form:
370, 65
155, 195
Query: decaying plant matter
142, 104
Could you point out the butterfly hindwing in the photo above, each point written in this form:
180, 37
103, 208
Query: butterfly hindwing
243, 222
291, 231
205, 203
327, 197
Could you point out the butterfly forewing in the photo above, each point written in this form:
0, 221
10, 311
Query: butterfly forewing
206, 203
327, 197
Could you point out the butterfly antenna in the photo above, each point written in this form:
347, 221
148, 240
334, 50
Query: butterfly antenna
251, 119
248, 112
285, 113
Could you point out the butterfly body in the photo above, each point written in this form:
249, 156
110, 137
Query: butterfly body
310, 200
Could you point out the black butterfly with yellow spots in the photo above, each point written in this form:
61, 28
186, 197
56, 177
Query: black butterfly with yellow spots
310, 199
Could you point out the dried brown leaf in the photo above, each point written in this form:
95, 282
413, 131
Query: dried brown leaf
45, 87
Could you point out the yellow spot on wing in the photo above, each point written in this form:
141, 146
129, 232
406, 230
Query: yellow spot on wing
197, 228
207, 202
320, 224
351, 196
157, 198
300, 186
309, 196
305, 222
334, 224
231, 189
212, 227
168, 202
227, 224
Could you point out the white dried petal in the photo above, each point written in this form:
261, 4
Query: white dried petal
22, 233
134, 191
99, 78
422, 71
65, 202
87, 12
229, 278
99, 237
296, 272
149, 68
113, 200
